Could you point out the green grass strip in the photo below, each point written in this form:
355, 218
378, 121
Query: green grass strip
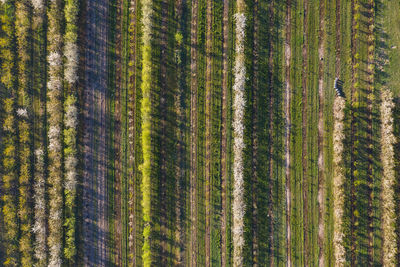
146, 131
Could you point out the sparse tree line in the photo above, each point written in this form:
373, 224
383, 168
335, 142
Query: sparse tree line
355, 234
36, 217
389, 179
388, 199
70, 125
239, 102
338, 181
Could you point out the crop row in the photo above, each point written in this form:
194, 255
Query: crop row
36, 236
225, 144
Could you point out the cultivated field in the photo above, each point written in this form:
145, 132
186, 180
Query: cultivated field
199, 133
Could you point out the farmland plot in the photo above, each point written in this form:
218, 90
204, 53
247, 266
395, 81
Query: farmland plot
199, 133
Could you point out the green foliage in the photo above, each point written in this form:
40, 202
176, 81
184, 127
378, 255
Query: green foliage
178, 38
9, 138
70, 163
71, 9
23, 30
146, 132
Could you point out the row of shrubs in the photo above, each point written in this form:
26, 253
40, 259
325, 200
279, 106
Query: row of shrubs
35, 237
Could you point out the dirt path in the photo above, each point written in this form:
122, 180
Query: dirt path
287, 55
338, 176
180, 135
271, 77
224, 152
131, 132
102, 159
208, 136
354, 135
88, 110
305, 152
117, 137
370, 88
338, 39
321, 162
193, 137
164, 194
94, 186
254, 138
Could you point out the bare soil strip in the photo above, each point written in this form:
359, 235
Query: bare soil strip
254, 138
132, 131
353, 234
164, 194
88, 177
95, 94
321, 155
370, 81
102, 192
180, 135
271, 78
305, 152
208, 135
193, 137
117, 137
224, 155
338, 39
287, 99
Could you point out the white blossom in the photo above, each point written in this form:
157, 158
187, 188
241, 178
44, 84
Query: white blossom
39, 154
71, 116
55, 216
54, 59
39, 227
54, 135
55, 251
54, 84
37, 4
238, 205
389, 179
70, 181
147, 17
71, 64
22, 112
71, 162
338, 179
54, 132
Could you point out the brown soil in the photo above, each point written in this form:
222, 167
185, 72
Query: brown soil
193, 137
353, 139
164, 210
370, 81
270, 134
94, 182
224, 154
208, 136
304, 134
321, 163
287, 55
254, 185
117, 139
131, 136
